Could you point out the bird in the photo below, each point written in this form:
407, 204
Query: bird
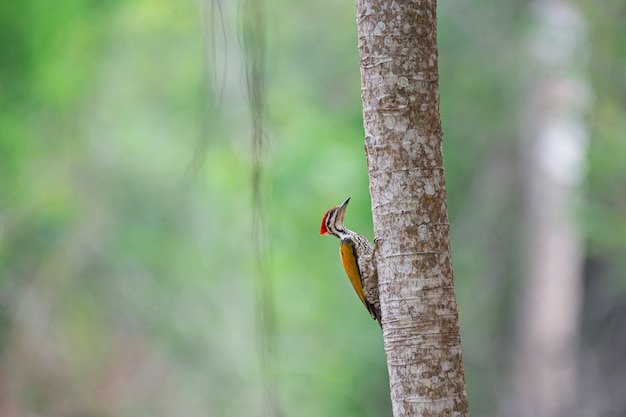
357, 258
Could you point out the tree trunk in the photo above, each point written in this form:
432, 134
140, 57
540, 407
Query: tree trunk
403, 137
555, 143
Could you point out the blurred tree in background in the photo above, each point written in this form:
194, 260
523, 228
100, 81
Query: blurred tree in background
126, 282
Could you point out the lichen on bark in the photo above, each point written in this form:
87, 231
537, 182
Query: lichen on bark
403, 137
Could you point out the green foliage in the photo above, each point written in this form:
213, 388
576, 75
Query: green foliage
604, 215
126, 277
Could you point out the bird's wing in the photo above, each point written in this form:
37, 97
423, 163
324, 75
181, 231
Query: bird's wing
350, 264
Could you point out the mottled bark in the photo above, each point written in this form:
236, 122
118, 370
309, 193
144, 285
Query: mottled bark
555, 142
400, 92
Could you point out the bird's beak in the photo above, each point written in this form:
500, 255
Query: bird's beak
341, 211
343, 205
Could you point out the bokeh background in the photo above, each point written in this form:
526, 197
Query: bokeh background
128, 282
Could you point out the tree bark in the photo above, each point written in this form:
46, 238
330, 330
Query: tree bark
403, 138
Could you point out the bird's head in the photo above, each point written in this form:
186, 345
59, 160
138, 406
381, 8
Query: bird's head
332, 223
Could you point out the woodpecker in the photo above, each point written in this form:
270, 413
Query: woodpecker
357, 258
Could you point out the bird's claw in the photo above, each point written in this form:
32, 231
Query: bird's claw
377, 241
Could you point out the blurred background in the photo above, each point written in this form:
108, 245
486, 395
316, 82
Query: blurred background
128, 284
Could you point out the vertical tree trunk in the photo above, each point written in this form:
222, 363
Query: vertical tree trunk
555, 142
400, 92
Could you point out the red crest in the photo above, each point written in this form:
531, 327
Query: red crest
323, 228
